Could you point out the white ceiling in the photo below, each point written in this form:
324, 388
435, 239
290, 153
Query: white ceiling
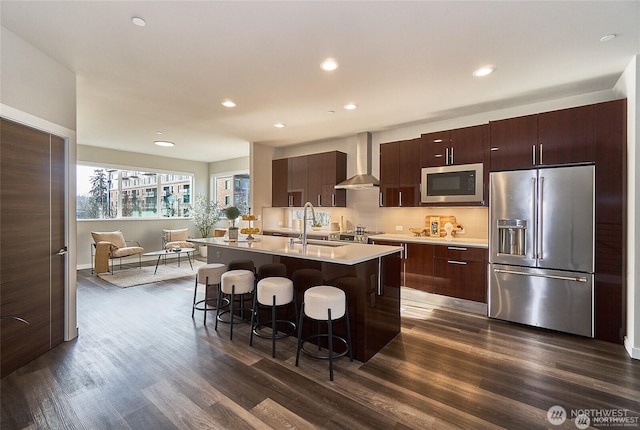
400, 62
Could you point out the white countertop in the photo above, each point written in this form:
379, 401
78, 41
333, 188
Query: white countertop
310, 233
319, 250
459, 241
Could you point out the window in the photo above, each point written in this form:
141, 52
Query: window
104, 193
233, 190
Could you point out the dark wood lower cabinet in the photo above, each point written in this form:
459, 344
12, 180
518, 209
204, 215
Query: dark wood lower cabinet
418, 266
460, 272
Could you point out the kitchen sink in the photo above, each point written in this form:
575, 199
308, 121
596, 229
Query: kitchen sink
326, 243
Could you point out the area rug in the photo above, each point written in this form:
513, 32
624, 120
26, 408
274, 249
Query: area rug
131, 277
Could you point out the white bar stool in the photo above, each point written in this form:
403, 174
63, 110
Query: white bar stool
274, 292
325, 303
233, 283
208, 274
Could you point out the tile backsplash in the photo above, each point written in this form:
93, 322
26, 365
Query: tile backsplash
363, 210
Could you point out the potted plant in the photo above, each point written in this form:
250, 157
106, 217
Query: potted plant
205, 215
232, 213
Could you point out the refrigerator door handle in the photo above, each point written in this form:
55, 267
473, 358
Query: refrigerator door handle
534, 218
541, 220
540, 275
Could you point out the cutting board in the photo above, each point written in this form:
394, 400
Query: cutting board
441, 220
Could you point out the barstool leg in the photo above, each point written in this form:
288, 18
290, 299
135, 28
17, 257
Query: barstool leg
273, 327
233, 296
330, 342
299, 334
195, 292
254, 318
205, 303
218, 307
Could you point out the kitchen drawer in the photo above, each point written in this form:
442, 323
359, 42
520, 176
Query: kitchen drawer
463, 253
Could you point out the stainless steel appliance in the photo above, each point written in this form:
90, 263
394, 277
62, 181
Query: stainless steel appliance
352, 236
452, 184
541, 247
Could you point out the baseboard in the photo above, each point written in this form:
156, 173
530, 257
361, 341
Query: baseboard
633, 352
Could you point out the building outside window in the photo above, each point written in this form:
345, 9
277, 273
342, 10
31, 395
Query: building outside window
104, 193
232, 190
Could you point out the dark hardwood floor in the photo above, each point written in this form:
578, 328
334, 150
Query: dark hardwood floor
141, 362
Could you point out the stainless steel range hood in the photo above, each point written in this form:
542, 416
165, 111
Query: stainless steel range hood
363, 178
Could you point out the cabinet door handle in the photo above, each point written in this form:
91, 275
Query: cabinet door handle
533, 154
446, 156
319, 197
380, 199
451, 155
399, 198
406, 251
456, 248
462, 263
333, 199
540, 153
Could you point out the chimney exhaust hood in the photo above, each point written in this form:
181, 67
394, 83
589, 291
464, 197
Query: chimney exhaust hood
363, 178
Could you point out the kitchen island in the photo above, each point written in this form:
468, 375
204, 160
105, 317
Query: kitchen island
369, 274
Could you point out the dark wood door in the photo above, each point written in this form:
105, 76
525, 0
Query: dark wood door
32, 211
279, 182
409, 173
389, 174
334, 171
513, 142
566, 136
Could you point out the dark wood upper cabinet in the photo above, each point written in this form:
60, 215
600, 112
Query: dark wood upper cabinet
557, 137
279, 182
458, 146
298, 180
325, 171
566, 136
513, 142
610, 148
434, 149
389, 174
400, 173
312, 178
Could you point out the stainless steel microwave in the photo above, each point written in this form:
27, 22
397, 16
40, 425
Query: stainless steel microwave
452, 184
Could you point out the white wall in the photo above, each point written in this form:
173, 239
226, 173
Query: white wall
629, 86
40, 93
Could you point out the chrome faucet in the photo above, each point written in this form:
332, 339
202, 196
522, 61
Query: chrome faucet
303, 238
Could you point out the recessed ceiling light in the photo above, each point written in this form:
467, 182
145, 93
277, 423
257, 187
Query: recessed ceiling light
158, 132
483, 71
279, 125
350, 106
331, 111
228, 103
164, 143
329, 64
138, 21
607, 38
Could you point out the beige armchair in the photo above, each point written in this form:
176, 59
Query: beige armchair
176, 239
109, 245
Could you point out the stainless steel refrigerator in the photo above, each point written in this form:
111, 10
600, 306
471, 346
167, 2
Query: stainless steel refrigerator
541, 247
